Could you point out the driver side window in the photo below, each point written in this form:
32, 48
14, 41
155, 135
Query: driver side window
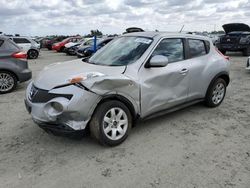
171, 48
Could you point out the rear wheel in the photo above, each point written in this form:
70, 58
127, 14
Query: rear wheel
32, 54
111, 123
8, 82
216, 93
246, 51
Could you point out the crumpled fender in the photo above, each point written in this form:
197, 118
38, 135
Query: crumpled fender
115, 84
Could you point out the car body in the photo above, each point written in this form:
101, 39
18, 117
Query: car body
70, 44
89, 50
60, 46
136, 76
248, 64
13, 65
237, 38
71, 49
49, 41
80, 49
31, 47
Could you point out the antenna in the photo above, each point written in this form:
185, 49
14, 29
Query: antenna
181, 28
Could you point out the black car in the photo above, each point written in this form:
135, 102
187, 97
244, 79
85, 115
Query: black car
13, 65
72, 49
236, 38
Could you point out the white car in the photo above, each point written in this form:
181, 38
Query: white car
248, 63
70, 44
28, 45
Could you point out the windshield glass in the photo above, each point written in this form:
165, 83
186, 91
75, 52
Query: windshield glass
122, 51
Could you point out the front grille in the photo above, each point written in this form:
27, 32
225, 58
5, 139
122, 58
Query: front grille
230, 40
37, 95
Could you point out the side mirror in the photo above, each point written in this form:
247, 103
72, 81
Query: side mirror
157, 61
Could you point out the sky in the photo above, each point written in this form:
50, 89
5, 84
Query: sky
70, 17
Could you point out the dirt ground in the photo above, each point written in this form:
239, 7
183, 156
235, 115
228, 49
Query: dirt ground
194, 147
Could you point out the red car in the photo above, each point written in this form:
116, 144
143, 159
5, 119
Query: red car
59, 46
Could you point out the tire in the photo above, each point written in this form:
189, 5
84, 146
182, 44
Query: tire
216, 93
111, 131
9, 77
33, 54
246, 51
61, 49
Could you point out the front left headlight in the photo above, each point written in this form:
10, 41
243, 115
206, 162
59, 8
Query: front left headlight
244, 40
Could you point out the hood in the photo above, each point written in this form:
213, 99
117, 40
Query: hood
70, 44
58, 73
235, 27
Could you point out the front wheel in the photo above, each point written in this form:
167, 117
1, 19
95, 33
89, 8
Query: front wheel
8, 82
111, 123
246, 51
216, 93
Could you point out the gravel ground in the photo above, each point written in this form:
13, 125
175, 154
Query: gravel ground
194, 147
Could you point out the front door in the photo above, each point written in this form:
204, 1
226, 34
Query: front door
165, 87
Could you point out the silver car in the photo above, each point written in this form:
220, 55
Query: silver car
136, 76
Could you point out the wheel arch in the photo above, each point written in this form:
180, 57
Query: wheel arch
122, 99
224, 75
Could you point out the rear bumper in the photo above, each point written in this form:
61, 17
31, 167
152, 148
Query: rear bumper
25, 75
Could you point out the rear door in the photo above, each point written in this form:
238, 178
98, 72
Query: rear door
199, 59
165, 87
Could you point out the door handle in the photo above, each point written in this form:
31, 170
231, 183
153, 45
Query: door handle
184, 71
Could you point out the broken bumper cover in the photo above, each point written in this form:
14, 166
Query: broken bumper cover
56, 111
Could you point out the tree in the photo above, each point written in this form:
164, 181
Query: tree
94, 33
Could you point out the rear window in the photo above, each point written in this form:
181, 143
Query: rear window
21, 40
196, 48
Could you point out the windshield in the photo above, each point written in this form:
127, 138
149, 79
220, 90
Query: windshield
122, 51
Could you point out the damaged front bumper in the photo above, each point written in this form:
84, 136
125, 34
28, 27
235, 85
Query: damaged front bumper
67, 109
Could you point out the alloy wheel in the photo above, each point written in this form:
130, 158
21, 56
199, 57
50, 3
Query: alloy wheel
7, 82
115, 123
218, 93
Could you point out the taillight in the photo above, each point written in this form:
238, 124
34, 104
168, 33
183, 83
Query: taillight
19, 55
225, 57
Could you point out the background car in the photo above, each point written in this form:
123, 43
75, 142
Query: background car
237, 38
28, 45
80, 49
49, 41
69, 44
59, 46
89, 50
13, 65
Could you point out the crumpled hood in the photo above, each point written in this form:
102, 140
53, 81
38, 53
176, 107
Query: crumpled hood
58, 73
235, 27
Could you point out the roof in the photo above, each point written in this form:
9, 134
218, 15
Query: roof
153, 34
